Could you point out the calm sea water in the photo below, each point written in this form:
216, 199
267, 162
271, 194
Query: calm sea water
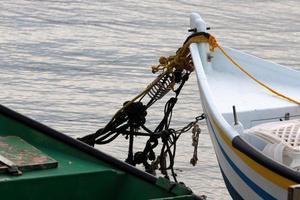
72, 63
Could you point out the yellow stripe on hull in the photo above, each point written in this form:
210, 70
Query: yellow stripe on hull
258, 168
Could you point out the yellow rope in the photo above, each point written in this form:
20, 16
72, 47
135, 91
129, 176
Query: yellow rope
256, 80
213, 44
182, 61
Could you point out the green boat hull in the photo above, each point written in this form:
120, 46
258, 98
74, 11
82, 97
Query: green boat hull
81, 172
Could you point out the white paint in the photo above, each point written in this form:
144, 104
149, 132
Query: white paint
222, 85
259, 180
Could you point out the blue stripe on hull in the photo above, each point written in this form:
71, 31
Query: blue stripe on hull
262, 193
233, 193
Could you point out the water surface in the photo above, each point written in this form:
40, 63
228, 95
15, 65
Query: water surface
72, 63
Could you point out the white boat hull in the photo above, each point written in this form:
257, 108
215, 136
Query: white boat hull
242, 181
247, 172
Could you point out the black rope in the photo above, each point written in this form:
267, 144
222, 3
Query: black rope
131, 119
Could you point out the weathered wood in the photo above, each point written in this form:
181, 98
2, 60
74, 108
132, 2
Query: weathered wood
16, 154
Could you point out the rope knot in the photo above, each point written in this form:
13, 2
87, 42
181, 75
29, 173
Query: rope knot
163, 60
212, 41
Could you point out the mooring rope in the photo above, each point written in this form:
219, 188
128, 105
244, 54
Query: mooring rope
255, 79
211, 40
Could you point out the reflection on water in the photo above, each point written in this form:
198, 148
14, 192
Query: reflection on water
71, 64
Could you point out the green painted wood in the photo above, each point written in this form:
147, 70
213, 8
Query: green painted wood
78, 175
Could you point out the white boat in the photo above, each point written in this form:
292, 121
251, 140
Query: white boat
258, 145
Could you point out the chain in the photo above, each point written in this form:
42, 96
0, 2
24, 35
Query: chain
161, 159
191, 124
